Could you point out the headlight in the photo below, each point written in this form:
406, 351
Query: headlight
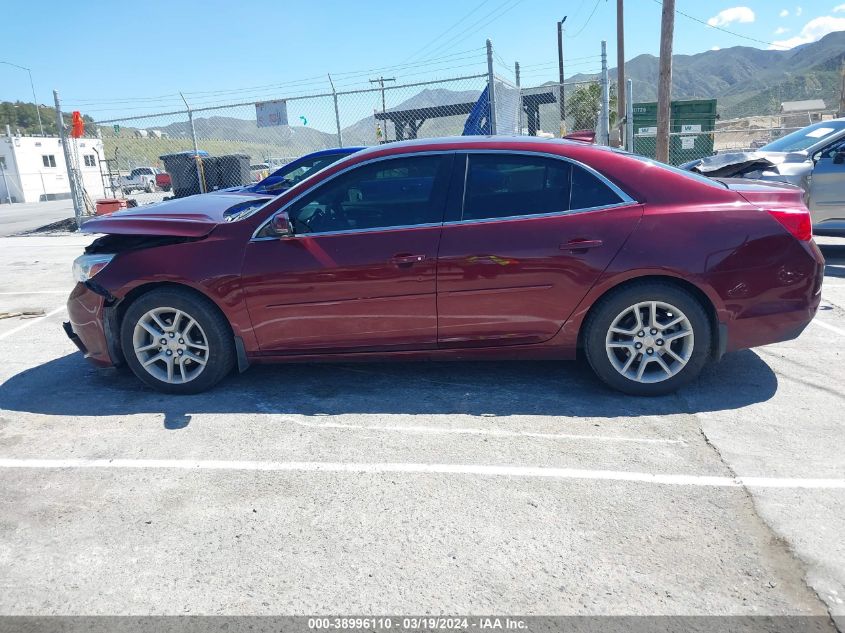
86, 266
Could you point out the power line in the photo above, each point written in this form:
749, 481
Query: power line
445, 62
592, 13
724, 30
455, 25
494, 15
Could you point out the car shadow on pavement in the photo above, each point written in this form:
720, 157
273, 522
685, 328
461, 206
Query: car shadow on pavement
68, 386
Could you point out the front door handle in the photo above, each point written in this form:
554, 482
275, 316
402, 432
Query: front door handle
406, 260
580, 245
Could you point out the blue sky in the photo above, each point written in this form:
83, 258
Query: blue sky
98, 54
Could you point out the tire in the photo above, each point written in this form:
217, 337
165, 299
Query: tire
680, 347
209, 329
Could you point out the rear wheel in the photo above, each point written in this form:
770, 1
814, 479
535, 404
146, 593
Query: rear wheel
177, 341
648, 339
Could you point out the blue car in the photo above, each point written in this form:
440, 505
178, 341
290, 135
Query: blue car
287, 176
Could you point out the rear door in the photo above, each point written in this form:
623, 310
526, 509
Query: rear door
526, 238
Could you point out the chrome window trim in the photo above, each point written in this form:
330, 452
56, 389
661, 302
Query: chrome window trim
349, 231
550, 214
626, 200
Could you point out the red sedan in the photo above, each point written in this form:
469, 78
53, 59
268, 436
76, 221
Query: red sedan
467, 248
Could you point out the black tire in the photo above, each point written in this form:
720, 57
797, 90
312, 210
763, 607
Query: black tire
215, 327
614, 303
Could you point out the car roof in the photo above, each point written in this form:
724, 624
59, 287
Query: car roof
642, 179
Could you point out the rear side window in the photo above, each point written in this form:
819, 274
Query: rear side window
589, 192
500, 186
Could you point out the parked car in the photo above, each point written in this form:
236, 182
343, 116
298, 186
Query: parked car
812, 158
259, 172
139, 179
297, 170
163, 181
465, 248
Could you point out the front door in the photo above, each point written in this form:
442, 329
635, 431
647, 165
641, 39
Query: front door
531, 236
359, 273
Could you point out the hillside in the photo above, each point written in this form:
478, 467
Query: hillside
746, 81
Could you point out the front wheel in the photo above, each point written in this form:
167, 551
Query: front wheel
177, 341
648, 339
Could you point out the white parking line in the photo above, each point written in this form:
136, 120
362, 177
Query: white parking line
37, 292
436, 469
435, 430
30, 323
829, 327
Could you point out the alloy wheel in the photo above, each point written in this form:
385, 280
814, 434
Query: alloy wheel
170, 345
650, 341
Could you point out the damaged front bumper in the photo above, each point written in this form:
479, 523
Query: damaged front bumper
91, 326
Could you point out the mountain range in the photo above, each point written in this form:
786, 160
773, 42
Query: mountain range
746, 81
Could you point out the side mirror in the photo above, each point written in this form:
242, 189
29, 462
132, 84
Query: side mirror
281, 225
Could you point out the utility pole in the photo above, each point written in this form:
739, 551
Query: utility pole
562, 97
842, 90
380, 81
664, 86
604, 118
621, 88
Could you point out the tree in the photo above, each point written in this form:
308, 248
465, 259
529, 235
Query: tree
584, 105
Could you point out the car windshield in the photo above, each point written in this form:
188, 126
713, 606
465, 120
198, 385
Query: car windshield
282, 179
805, 138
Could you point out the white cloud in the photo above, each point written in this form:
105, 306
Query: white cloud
798, 12
839, 9
716, 48
813, 31
734, 14
784, 13
781, 30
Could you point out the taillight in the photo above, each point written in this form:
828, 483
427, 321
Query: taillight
796, 221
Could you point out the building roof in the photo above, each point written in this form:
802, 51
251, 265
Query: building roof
808, 105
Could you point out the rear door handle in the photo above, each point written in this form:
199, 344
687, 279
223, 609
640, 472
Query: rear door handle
406, 260
576, 246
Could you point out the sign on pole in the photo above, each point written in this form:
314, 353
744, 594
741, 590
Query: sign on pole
271, 113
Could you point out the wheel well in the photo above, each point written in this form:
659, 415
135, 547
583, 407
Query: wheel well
694, 290
134, 294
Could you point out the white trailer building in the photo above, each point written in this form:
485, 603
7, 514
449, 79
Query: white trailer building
32, 168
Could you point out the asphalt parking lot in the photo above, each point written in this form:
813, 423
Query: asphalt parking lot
416, 488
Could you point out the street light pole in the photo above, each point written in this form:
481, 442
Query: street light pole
34, 98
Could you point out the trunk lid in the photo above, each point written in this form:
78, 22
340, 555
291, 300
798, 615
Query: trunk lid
767, 194
192, 216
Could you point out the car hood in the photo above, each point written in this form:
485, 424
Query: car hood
192, 216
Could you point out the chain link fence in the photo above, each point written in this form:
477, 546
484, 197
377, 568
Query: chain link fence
733, 135
137, 147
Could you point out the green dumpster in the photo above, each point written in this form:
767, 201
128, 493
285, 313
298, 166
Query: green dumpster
692, 125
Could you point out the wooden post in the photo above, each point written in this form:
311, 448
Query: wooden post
664, 86
842, 90
620, 62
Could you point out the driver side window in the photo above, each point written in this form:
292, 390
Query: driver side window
383, 194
